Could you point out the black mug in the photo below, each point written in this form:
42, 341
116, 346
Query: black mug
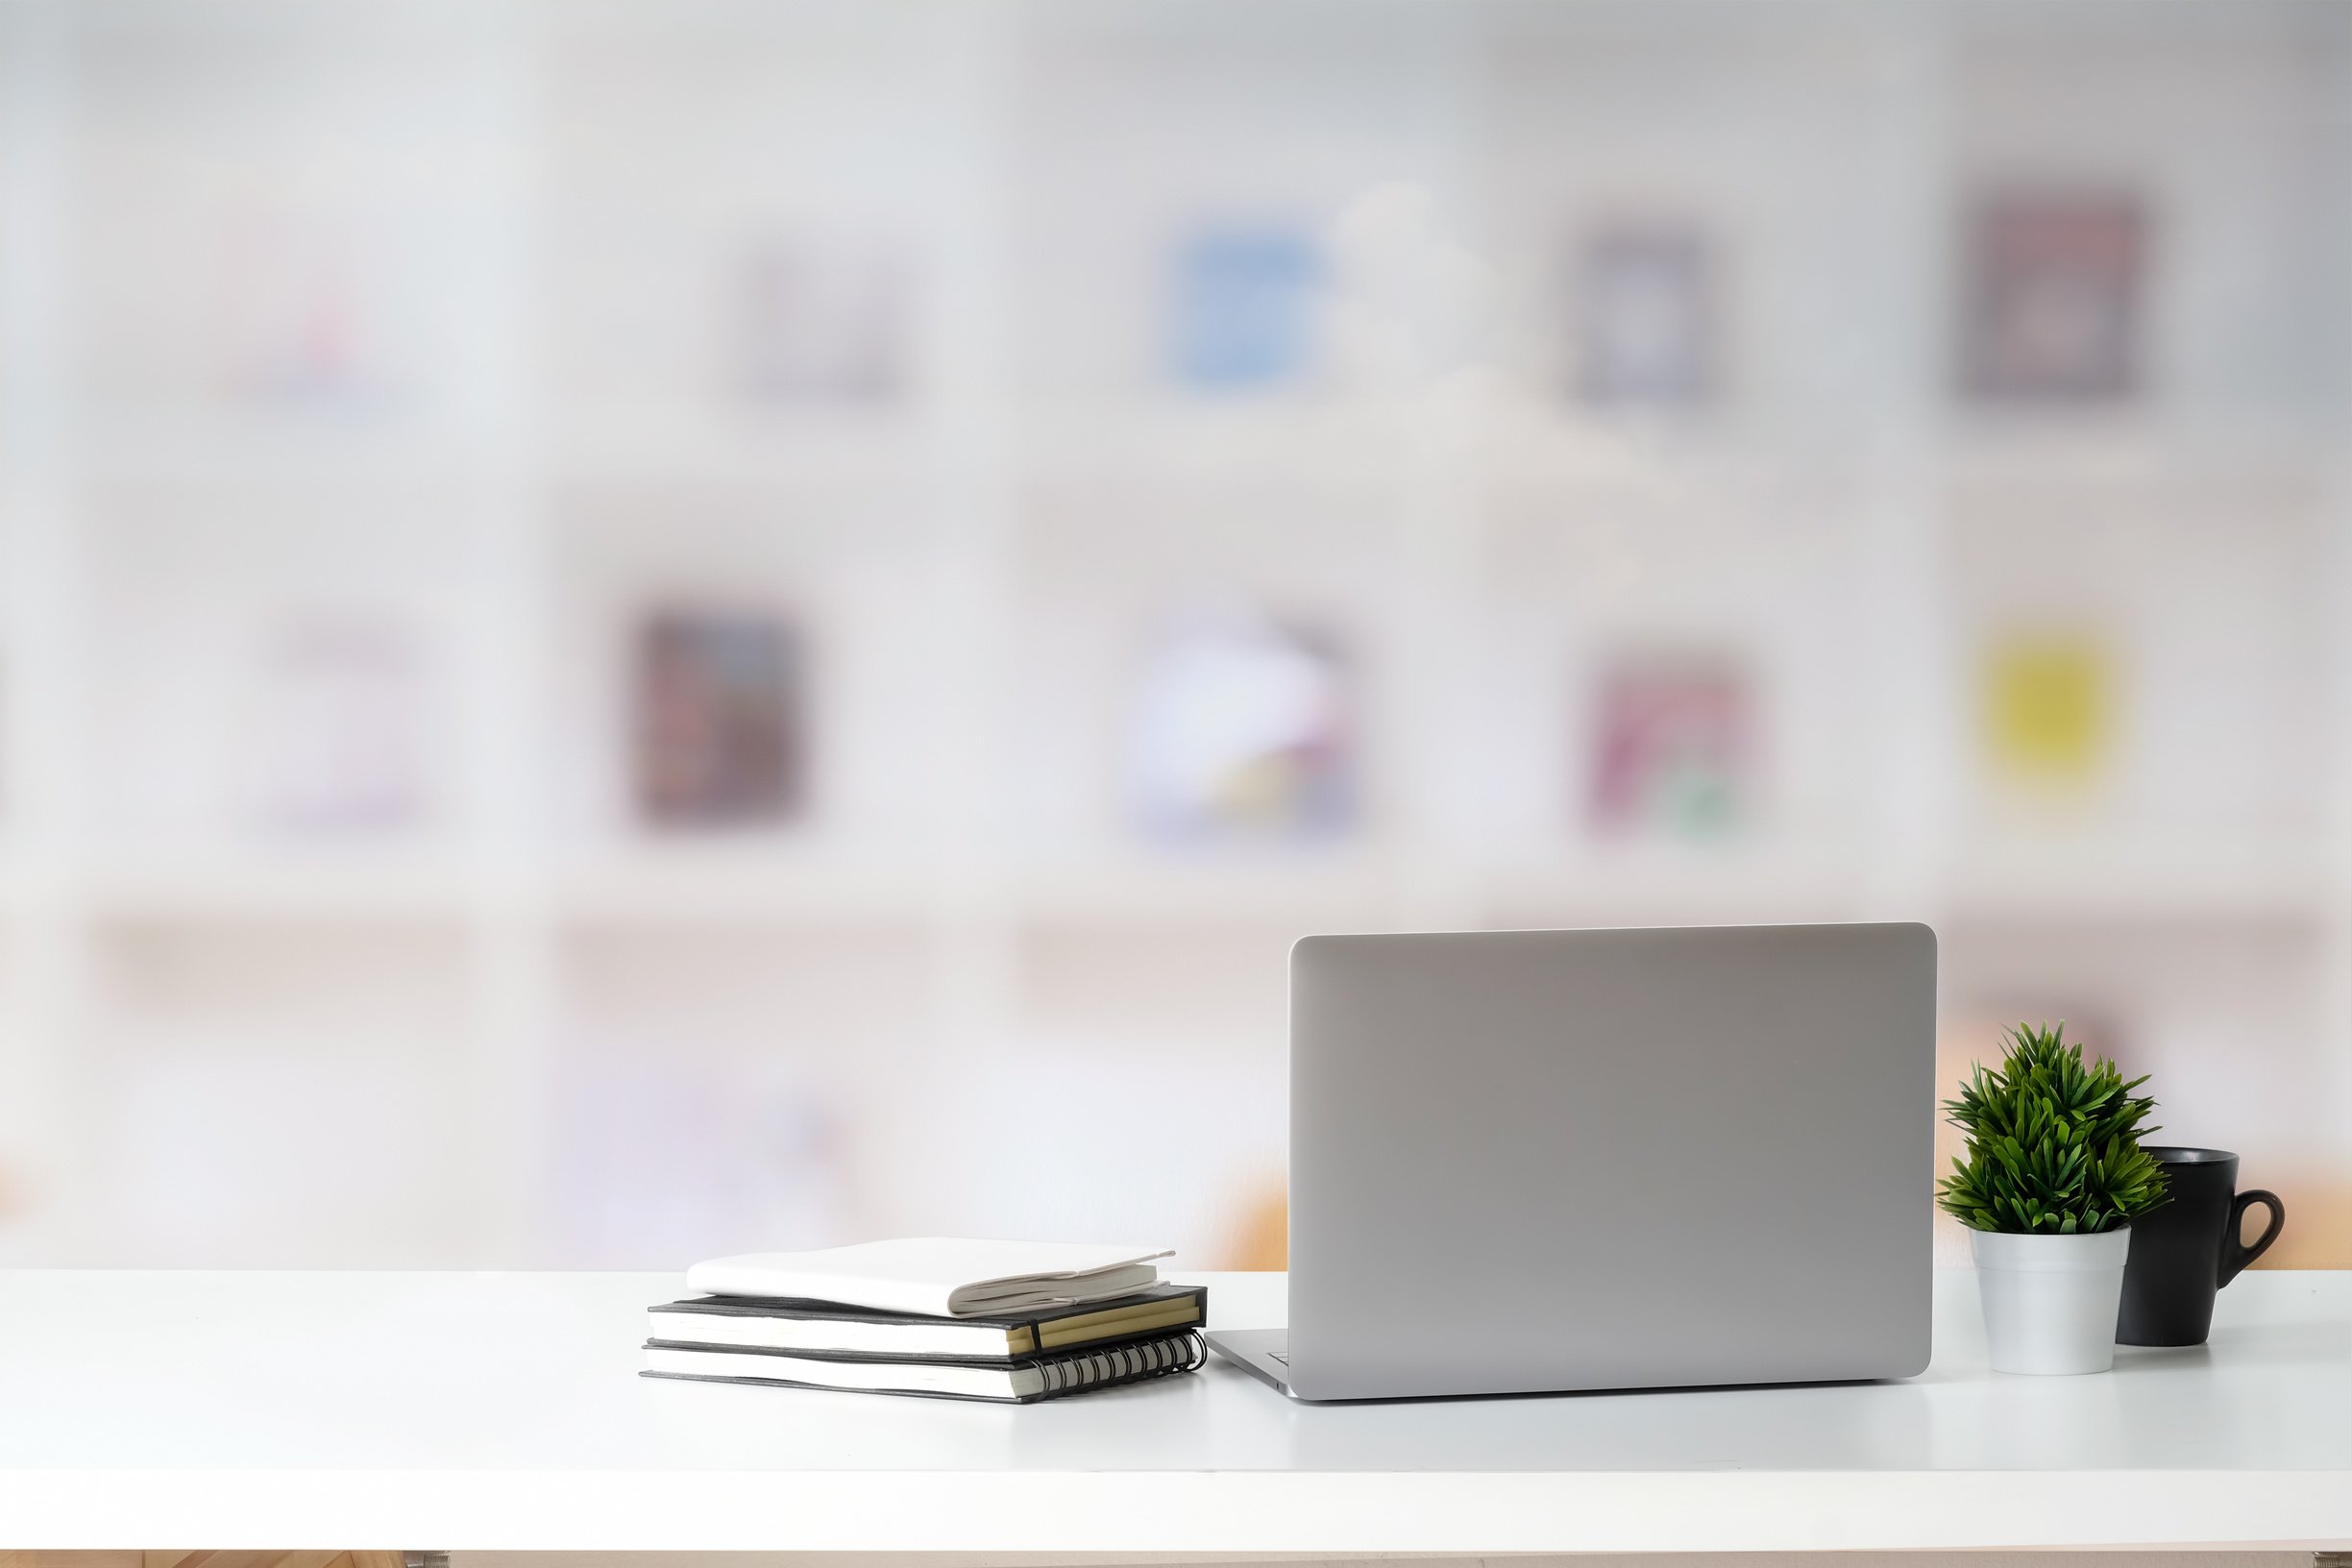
2184, 1252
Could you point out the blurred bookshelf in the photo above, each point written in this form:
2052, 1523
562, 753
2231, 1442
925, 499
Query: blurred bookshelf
527, 366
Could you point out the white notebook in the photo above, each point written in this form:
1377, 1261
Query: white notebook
937, 1276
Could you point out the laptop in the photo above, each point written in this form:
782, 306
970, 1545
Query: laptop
1541, 1161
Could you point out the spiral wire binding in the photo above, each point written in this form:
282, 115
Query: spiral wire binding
1076, 1369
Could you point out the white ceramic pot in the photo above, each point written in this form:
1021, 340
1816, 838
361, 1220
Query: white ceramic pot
2050, 1301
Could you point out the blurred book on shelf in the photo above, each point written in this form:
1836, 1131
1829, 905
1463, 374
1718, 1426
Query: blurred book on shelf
721, 731
1243, 315
201, 1135
2048, 700
340, 744
1647, 314
816, 322
299, 315
1672, 746
664, 1155
1242, 731
1409, 299
2055, 289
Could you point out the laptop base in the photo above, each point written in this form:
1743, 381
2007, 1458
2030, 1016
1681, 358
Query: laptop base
1265, 1354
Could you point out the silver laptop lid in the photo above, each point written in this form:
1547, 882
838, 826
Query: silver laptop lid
1551, 1160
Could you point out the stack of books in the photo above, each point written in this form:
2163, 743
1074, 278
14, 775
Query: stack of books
1014, 1322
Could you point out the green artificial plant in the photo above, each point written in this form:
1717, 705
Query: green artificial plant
2053, 1145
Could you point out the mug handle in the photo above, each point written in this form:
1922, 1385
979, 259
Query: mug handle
2236, 1253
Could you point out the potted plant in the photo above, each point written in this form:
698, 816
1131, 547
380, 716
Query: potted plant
2052, 1178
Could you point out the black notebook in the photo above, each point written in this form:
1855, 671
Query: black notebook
1024, 1382
829, 1328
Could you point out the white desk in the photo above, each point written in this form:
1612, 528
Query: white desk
501, 1410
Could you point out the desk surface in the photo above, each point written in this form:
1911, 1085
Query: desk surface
475, 1411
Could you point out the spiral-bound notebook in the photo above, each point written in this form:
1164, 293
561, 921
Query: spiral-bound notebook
830, 1328
1022, 1382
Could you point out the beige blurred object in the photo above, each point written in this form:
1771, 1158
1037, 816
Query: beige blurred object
200, 1559
1264, 1239
1960, 1043
2318, 1232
